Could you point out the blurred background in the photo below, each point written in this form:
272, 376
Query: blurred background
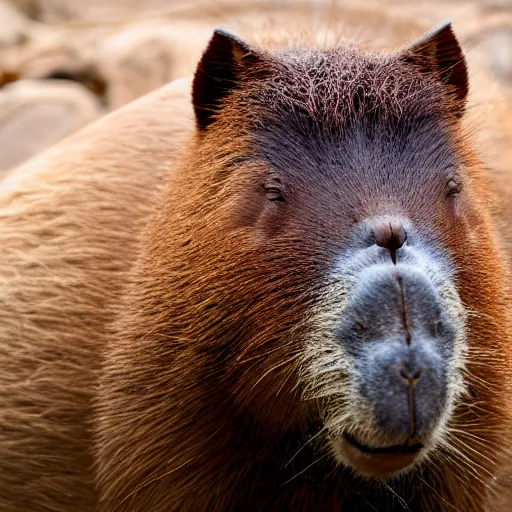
64, 63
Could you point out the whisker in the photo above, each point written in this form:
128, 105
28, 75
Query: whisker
306, 468
398, 497
470, 463
458, 466
465, 445
475, 438
441, 498
309, 441
275, 367
477, 313
479, 380
155, 479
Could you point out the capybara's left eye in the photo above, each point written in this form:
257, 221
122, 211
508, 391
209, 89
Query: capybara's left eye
452, 188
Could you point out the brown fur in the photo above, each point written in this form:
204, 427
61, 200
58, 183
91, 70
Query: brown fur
197, 282
68, 221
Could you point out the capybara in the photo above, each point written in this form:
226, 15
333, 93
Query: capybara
315, 317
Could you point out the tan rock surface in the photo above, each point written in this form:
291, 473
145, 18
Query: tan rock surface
35, 115
145, 56
14, 26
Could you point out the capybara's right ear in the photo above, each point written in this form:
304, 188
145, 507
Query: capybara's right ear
218, 73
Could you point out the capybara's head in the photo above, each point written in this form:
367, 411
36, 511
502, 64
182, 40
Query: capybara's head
323, 261
336, 216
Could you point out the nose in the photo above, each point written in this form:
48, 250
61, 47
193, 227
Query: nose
400, 338
390, 234
407, 386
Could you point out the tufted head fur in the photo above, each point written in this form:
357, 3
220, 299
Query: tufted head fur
317, 320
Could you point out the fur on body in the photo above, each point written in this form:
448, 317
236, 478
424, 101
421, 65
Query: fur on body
69, 222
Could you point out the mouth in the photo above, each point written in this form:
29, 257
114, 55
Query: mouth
381, 462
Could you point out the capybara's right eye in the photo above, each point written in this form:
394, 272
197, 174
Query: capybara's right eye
273, 193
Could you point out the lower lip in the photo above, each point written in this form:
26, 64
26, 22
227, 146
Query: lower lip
381, 465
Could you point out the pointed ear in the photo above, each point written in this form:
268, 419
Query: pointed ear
218, 73
438, 52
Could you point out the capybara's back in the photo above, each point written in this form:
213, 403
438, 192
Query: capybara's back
68, 235
314, 318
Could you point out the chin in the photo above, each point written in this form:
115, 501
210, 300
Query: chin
378, 460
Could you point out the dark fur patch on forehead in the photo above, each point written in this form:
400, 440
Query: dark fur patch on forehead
329, 91
368, 127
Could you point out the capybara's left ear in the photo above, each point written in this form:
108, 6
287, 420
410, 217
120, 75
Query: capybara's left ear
218, 73
438, 52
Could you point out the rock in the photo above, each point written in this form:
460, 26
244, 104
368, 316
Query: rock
65, 63
498, 45
141, 58
14, 26
495, 50
48, 10
36, 114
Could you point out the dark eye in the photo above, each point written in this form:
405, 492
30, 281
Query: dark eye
273, 192
452, 188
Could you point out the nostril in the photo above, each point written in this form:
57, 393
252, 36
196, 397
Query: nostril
390, 235
410, 377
